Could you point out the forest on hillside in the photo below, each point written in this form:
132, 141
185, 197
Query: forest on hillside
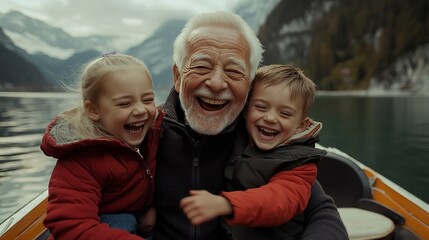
353, 41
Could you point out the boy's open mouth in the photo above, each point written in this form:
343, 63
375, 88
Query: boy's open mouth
268, 132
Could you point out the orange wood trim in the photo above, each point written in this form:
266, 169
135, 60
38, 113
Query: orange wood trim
416, 218
30, 226
413, 223
33, 231
401, 200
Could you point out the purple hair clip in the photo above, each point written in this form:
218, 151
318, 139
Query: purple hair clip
108, 54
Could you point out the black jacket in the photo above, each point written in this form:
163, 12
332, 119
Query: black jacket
185, 161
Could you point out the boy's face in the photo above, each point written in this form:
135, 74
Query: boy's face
125, 106
271, 116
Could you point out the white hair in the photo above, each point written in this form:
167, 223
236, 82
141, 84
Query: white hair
219, 18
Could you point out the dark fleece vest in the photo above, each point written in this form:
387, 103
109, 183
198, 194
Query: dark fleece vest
254, 168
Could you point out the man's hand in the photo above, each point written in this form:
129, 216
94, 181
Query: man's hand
202, 206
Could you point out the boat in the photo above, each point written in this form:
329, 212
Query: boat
371, 206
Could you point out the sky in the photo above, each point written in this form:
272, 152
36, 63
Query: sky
134, 19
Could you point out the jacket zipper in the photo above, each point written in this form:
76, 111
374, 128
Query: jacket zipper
145, 165
195, 173
196, 181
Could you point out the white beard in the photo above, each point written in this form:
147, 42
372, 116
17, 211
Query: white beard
208, 125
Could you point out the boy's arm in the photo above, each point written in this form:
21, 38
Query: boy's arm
284, 196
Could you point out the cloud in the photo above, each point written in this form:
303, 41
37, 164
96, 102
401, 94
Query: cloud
131, 19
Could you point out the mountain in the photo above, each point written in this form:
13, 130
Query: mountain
55, 53
35, 36
352, 45
379, 45
255, 12
58, 55
157, 53
59, 71
17, 73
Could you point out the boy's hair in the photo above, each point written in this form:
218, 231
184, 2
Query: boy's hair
221, 19
301, 87
89, 85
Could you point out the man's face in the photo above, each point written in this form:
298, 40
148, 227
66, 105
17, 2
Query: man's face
214, 83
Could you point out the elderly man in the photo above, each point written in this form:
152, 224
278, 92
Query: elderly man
216, 57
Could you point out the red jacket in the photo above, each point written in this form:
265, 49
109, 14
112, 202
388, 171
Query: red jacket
285, 196
97, 176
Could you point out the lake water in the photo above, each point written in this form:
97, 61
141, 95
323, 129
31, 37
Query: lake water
388, 134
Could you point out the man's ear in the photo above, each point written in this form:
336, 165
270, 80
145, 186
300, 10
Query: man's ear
176, 76
303, 125
91, 110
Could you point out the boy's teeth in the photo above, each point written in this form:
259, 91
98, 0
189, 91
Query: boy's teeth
267, 131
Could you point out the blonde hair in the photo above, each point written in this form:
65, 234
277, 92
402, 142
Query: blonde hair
75, 121
223, 19
301, 87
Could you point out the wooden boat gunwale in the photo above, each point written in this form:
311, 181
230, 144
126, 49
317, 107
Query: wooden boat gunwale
27, 222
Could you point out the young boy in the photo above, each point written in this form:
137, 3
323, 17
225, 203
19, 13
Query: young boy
281, 138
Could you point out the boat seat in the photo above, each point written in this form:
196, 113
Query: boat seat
363, 224
348, 185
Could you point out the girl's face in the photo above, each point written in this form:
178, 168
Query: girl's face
125, 106
272, 117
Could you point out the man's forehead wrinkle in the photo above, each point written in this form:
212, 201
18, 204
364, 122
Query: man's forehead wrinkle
203, 42
199, 56
227, 59
202, 32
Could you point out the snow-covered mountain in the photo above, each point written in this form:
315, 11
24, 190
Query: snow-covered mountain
409, 72
35, 36
18, 73
57, 53
300, 32
255, 12
157, 53
345, 45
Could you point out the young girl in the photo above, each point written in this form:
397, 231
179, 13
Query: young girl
102, 183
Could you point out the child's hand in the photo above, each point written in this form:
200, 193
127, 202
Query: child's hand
202, 206
147, 221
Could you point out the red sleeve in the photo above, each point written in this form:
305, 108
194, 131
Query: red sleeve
284, 196
74, 197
